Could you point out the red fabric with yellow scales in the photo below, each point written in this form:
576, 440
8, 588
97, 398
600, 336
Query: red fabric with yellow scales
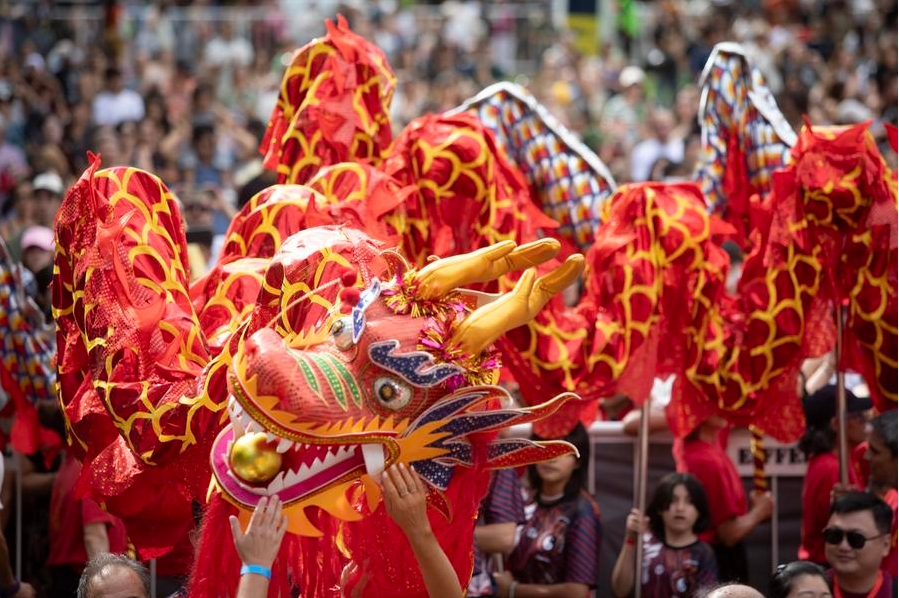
143, 358
739, 355
655, 302
333, 107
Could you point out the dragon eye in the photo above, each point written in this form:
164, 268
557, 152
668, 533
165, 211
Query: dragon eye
392, 393
342, 331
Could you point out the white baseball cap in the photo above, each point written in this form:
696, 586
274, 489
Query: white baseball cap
48, 181
631, 75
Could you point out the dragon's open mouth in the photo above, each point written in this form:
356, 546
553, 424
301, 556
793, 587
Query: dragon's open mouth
305, 468
312, 466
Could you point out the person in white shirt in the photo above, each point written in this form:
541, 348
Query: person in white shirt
224, 54
662, 145
117, 104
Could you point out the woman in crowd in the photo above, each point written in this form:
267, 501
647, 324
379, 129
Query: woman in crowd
819, 444
799, 579
557, 553
675, 561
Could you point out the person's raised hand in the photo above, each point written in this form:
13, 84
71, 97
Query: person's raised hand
635, 523
259, 544
762, 503
405, 499
25, 591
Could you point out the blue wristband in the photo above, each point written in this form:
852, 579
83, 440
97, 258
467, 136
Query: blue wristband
256, 570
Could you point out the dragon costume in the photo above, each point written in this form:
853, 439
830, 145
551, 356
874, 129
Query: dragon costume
324, 345
325, 363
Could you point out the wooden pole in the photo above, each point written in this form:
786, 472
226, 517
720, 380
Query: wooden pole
643, 465
843, 446
759, 481
760, 484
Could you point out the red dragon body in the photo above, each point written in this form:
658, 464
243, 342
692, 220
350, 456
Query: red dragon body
347, 358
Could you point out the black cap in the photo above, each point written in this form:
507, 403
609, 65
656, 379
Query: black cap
821, 406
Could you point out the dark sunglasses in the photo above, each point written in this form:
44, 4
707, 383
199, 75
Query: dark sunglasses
834, 535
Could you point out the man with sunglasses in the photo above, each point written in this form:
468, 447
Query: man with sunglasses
856, 540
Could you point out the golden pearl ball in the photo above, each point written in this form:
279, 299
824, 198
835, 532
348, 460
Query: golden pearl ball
253, 459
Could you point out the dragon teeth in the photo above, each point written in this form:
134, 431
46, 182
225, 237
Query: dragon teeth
374, 459
316, 466
291, 478
284, 445
372, 453
236, 413
330, 460
319, 464
277, 484
242, 422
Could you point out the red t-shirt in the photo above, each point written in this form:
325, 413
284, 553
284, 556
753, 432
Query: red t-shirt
822, 473
69, 515
884, 590
711, 465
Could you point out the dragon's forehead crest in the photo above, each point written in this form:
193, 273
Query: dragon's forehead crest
458, 325
412, 335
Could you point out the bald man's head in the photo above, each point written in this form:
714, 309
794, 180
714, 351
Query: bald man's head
734, 590
113, 576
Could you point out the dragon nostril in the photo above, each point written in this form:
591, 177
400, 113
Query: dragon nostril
342, 333
254, 459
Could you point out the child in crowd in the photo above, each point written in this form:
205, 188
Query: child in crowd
558, 547
675, 562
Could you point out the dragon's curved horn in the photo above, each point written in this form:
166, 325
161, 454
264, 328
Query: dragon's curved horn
515, 308
442, 276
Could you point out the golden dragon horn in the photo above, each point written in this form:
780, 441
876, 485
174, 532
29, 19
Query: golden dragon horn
515, 308
442, 276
